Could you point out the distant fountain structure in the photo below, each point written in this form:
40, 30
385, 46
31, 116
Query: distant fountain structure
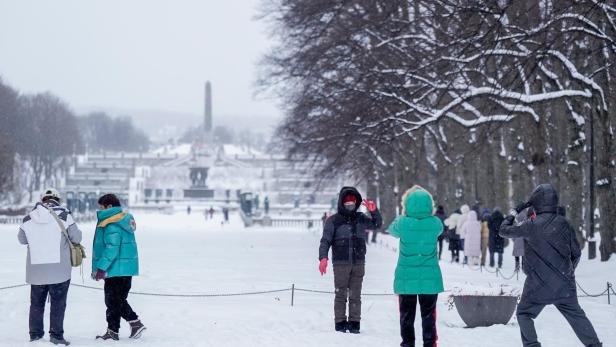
203, 154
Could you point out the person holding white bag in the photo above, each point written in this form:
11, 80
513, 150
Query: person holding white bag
48, 264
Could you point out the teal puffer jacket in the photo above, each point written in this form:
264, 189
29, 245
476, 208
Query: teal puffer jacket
115, 247
418, 271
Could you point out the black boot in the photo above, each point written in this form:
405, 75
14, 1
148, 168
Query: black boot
35, 338
109, 335
354, 327
61, 341
342, 326
136, 329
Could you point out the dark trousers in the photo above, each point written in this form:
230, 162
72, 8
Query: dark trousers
116, 293
572, 312
38, 295
440, 247
500, 259
455, 255
408, 307
348, 280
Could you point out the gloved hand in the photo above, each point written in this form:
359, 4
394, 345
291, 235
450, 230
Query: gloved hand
522, 206
509, 220
99, 275
323, 266
370, 205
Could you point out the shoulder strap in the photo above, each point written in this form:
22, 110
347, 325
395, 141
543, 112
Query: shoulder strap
61, 225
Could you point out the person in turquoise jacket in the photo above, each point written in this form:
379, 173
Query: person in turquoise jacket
115, 259
418, 275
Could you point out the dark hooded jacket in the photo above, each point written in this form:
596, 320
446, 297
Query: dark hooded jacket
345, 231
551, 251
495, 242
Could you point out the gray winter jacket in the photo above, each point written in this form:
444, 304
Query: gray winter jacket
40, 274
345, 232
518, 243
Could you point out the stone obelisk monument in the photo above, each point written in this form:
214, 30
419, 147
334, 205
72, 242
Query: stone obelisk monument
207, 124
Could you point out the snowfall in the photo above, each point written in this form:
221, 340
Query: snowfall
182, 254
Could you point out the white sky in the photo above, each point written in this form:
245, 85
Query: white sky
137, 56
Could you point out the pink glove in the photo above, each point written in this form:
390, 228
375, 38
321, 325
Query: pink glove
323, 266
370, 205
100, 275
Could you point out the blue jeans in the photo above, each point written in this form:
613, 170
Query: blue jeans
38, 295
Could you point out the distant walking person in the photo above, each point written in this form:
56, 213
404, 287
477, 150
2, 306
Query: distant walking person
551, 254
472, 230
464, 210
211, 212
418, 275
116, 261
345, 232
496, 243
453, 236
485, 235
266, 205
440, 214
225, 213
48, 265
518, 242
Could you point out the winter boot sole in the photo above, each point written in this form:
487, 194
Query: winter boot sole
138, 333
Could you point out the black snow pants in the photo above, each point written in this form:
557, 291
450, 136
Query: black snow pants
116, 293
408, 308
572, 312
57, 295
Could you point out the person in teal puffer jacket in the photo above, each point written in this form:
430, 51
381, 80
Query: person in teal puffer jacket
418, 275
115, 259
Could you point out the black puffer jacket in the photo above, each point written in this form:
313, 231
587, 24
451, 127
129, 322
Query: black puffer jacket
345, 232
495, 242
551, 251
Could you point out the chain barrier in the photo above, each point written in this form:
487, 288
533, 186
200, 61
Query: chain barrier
490, 271
15, 286
194, 295
331, 292
479, 268
499, 273
588, 295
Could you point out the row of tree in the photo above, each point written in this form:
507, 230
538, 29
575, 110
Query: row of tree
477, 100
38, 132
225, 135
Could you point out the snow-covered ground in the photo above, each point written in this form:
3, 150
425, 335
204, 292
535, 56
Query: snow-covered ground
186, 255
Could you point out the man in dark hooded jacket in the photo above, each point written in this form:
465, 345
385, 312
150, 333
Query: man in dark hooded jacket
551, 255
345, 233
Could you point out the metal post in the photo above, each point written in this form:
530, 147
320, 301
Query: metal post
609, 288
292, 294
592, 244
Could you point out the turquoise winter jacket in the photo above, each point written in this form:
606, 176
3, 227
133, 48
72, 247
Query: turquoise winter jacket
115, 247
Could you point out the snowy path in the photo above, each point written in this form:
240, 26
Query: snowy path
181, 255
